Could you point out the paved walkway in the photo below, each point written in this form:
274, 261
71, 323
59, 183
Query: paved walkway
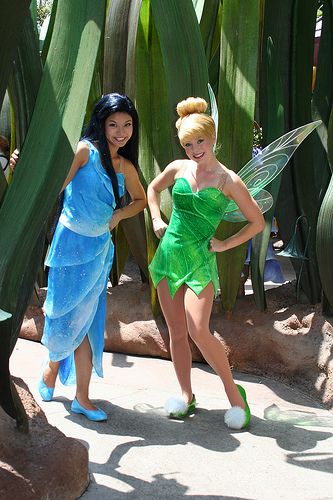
139, 453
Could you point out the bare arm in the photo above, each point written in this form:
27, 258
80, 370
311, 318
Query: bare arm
161, 182
81, 157
236, 190
136, 192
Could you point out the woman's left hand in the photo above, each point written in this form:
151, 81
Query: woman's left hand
216, 245
116, 218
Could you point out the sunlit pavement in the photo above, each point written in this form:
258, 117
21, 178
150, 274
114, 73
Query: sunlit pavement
139, 453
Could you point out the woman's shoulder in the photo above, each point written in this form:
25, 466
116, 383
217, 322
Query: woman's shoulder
232, 182
87, 145
232, 177
82, 153
83, 144
178, 166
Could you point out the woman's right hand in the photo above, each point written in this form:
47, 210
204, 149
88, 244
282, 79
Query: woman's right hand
159, 227
14, 159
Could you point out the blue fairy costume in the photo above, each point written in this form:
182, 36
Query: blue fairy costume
80, 259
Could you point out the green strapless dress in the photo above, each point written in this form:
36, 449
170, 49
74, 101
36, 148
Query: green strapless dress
182, 255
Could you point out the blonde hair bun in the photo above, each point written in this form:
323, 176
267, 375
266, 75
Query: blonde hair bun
193, 120
191, 105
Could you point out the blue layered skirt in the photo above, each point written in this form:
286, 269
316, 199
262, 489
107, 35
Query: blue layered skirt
75, 304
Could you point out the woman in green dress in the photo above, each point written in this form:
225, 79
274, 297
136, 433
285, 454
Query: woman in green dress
184, 268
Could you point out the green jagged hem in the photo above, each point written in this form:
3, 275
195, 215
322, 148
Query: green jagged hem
196, 288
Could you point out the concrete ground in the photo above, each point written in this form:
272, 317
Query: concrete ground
139, 453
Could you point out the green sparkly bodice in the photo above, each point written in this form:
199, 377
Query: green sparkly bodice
182, 255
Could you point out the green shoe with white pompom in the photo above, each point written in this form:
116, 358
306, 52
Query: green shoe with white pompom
177, 408
236, 417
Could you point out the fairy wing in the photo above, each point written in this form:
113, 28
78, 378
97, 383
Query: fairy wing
213, 109
266, 166
264, 200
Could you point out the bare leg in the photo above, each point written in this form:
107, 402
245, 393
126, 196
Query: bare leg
174, 314
198, 310
83, 365
50, 373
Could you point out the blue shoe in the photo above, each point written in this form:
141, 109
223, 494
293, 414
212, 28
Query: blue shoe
46, 393
95, 415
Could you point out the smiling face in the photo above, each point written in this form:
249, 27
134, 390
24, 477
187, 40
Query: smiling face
198, 148
118, 129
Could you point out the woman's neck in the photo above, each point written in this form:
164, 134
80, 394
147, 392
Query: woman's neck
209, 165
113, 151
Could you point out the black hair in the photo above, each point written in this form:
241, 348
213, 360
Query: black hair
95, 131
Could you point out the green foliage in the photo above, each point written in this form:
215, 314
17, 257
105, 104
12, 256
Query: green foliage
43, 11
120, 75
236, 103
322, 107
47, 152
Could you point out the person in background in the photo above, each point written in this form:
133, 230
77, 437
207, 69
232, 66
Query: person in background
4, 155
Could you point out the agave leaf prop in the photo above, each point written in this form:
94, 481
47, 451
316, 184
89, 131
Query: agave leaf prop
13, 15
209, 13
302, 185
236, 103
324, 238
266, 166
272, 121
322, 106
23, 88
25, 80
120, 32
48, 37
120, 76
45, 158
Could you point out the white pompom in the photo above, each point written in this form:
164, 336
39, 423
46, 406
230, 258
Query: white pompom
175, 405
235, 417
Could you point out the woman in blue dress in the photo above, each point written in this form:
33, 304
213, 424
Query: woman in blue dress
81, 254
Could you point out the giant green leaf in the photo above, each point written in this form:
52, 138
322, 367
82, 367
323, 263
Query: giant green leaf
272, 120
13, 15
322, 107
25, 80
236, 102
302, 188
46, 156
120, 76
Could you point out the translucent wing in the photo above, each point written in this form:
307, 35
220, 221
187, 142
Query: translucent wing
264, 200
267, 165
213, 109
